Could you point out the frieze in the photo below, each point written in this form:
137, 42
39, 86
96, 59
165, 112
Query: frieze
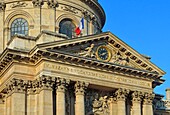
18, 5
82, 72
70, 9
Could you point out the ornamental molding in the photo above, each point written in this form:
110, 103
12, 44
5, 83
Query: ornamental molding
70, 9
19, 5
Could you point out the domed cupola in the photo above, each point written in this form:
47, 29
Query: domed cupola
30, 17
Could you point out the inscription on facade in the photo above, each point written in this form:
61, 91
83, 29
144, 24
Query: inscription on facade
83, 72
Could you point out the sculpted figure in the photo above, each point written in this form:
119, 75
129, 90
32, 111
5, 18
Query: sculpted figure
88, 52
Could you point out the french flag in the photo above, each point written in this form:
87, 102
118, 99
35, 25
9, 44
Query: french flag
81, 26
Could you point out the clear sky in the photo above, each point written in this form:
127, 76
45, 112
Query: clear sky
145, 26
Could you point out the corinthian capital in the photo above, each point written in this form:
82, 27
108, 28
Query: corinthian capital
61, 84
52, 3
121, 94
137, 96
80, 87
2, 6
37, 3
148, 98
16, 85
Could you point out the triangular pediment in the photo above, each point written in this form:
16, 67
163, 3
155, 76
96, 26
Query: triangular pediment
104, 47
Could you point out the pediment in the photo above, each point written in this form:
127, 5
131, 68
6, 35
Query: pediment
104, 47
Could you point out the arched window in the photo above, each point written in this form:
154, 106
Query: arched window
67, 27
19, 26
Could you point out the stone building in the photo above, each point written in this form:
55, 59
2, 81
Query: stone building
46, 69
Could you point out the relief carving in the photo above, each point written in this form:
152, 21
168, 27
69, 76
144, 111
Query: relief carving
118, 58
97, 102
70, 9
18, 5
88, 52
2, 6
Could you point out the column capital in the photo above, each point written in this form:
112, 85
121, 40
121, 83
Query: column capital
16, 85
37, 3
2, 6
121, 94
80, 87
137, 96
52, 3
148, 98
61, 84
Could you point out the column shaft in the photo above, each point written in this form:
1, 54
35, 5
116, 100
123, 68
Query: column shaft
60, 103
79, 106
121, 107
136, 108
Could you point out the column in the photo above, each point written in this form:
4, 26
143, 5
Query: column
2, 104
60, 103
113, 106
15, 104
45, 96
147, 104
136, 102
121, 101
80, 88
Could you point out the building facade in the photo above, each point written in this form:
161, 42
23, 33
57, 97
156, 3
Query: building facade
46, 69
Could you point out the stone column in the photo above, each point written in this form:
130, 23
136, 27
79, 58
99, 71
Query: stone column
80, 88
147, 104
60, 103
16, 97
121, 99
136, 102
2, 104
113, 106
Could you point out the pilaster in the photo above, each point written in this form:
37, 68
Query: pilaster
113, 106
147, 104
2, 9
80, 88
121, 99
16, 97
2, 104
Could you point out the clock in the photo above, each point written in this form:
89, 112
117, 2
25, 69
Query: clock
103, 53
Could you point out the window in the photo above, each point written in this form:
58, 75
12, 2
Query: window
67, 27
19, 26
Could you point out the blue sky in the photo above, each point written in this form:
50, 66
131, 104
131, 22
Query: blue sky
145, 26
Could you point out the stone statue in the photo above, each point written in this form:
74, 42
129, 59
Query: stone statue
88, 52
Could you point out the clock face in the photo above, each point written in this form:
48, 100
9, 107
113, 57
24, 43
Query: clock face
103, 53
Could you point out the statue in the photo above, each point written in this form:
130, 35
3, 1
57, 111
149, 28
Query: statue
88, 52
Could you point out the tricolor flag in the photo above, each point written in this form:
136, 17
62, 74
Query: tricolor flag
81, 26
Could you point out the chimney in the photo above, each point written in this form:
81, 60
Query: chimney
168, 93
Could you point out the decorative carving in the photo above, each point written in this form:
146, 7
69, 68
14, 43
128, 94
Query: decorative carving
61, 84
18, 4
70, 9
37, 3
121, 94
117, 58
80, 88
101, 107
148, 98
2, 6
97, 102
16, 85
88, 52
52, 3
137, 96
